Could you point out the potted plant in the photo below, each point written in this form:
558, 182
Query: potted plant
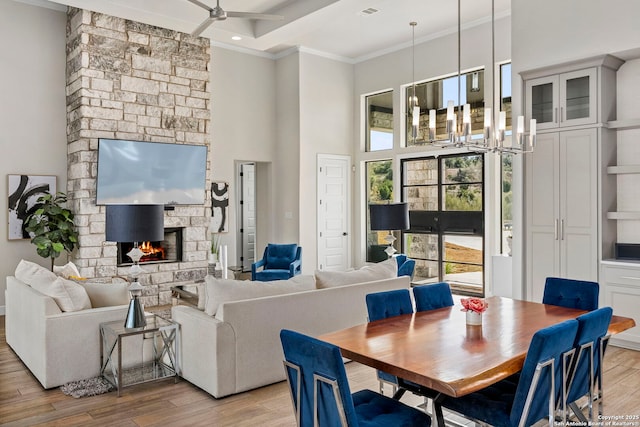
51, 227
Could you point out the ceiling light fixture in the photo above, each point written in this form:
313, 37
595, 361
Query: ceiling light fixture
459, 131
413, 102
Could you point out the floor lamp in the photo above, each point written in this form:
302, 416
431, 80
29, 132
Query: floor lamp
135, 223
391, 217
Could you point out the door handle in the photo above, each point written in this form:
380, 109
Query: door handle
555, 229
345, 233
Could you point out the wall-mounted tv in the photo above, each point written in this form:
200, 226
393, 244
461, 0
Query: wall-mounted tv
131, 172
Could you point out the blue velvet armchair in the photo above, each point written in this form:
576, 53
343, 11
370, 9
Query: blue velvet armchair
406, 265
279, 262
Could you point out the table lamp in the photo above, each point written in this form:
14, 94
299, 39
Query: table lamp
392, 216
135, 223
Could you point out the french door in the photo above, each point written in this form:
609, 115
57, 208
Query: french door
446, 210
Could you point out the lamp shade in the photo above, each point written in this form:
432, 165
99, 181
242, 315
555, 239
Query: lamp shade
135, 223
394, 216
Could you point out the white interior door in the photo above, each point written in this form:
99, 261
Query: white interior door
248, 214
334, 203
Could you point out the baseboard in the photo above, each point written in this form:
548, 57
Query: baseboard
630, 345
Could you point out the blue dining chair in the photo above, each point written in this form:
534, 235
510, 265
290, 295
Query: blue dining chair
279, 262
586, 373
406, 265
571, 293
529, 396
320, 390
431, 297
381, 305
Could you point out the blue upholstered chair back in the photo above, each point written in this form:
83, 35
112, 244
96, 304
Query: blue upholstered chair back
381, 305
406, 265
592, 327
431, 297
571, 293
550, 342
317, 357
279, 257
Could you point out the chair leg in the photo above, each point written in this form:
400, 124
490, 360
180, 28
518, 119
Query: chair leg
381, 384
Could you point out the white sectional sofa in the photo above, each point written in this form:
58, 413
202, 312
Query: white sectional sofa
56, 346
239, 348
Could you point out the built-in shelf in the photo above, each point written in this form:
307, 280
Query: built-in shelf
624, 124
613, 170
623, 215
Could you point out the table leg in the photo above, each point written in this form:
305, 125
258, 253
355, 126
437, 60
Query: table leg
119, 364
437, 411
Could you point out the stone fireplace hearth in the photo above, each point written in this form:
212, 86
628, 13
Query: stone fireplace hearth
127, 80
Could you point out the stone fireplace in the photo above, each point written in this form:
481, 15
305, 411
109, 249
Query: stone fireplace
127, 80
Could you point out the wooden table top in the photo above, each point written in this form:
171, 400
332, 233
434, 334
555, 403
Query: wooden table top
438, 350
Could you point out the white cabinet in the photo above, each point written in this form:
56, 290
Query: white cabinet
620, 289
562, 208
560, 100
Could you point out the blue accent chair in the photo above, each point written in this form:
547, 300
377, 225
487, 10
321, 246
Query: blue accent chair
406, 265
571, 293
431, 297
279, 262
586, 372
320, 389
381, 305
504, 404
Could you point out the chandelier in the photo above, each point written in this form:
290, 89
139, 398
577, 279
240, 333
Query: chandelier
458, 123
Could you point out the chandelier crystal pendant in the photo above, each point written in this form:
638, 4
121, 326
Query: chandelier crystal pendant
459, 131
414, 107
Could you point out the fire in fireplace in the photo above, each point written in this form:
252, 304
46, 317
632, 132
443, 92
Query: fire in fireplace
167, 250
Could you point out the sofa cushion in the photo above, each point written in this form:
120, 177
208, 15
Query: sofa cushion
107, 294
382, 270
218, 291
69, 296
68, 271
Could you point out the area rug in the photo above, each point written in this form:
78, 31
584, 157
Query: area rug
86, 388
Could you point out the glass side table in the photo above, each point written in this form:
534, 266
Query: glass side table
150, 353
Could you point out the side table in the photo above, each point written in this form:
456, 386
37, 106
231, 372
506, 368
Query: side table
160, 334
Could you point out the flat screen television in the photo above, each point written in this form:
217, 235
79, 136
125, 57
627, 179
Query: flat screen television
133, 172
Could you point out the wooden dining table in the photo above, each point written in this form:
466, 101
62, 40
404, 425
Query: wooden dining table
438, 350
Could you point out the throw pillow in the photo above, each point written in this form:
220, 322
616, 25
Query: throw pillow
218, 291
68, 271
69, 296
107, 294
382, 270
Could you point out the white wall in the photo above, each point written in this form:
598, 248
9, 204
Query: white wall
326, 127
32, 111
548, 32
243, 128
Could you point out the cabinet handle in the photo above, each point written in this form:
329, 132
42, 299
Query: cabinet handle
555, 230
562, 229
555, 115
630, 277
562, 119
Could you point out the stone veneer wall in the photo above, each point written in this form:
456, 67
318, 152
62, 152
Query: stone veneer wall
127, 80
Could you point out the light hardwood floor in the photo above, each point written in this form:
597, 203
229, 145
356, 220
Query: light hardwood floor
23, 401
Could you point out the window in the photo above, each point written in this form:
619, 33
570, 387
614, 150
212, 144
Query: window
446, 209
435, 95
379, 121
379, 176
506, 161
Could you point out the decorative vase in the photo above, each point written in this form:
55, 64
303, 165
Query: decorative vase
474, 318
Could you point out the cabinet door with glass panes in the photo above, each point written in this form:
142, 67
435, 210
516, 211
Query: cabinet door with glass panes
561, 100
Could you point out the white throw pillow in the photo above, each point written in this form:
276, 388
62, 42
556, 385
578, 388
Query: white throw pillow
218, 291
69, 295
68, 271
107, 294
370, 272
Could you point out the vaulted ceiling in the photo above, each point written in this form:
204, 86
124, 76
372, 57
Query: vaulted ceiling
349, 29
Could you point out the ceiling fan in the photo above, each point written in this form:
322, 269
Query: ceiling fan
219, 14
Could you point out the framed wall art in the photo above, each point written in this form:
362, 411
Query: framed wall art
23, 191
219, 206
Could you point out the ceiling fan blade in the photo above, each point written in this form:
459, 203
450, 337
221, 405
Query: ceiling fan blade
248, 15
202, 26
202, 5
